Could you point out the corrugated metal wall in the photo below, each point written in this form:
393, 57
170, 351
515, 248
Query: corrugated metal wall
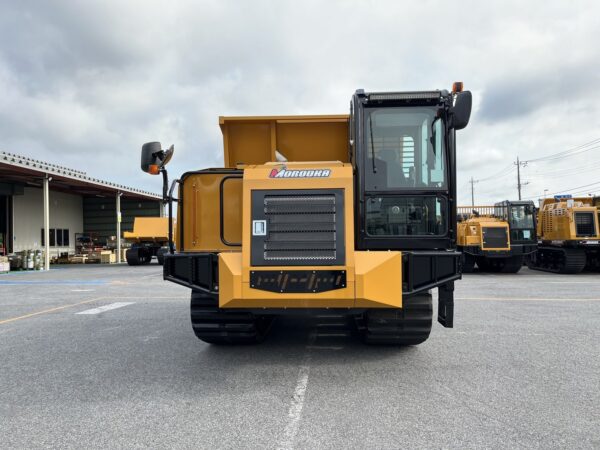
100, 217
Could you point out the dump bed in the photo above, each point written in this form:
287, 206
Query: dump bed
254, 140
149, 229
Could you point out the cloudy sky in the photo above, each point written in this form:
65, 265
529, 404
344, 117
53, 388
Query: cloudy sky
85, 83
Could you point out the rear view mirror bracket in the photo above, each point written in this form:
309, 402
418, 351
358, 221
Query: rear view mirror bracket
153, 161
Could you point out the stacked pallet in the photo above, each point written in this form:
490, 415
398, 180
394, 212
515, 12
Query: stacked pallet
107, 257
78, 259
4, 264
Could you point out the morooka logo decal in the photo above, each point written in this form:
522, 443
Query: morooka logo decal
299, 173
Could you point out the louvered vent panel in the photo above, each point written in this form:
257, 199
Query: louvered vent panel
584, 224
301, 228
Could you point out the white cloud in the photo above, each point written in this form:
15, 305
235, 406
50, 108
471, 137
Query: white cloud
86, 83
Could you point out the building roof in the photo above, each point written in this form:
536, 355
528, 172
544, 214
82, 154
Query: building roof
30, 172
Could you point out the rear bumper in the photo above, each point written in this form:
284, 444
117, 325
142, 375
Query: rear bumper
515, 250
420, 270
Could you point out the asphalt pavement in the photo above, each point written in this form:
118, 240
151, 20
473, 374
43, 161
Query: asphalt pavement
521, 369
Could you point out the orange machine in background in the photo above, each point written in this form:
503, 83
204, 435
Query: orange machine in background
569, 235
150, 237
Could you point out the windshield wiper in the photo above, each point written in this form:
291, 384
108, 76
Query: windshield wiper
372, 145
433, 135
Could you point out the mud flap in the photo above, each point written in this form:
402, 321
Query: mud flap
446, 305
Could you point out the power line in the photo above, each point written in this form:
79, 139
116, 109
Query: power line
562, 172
499, 173
562, 191
569, 152
567, 171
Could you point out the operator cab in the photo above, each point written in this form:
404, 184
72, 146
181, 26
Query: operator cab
520, 216
402, 146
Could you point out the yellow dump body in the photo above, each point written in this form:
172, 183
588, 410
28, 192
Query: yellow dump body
210, 226
568, 220
149, 229
254, 140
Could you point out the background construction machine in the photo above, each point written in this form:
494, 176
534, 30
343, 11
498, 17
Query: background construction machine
352, 214
150, 237
497, 238
568, 234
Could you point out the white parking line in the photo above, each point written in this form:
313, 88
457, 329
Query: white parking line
105, 308
513, 299
295, 411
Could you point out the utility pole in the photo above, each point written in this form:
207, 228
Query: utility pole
46, 193
472, 181
118, 205
519, 184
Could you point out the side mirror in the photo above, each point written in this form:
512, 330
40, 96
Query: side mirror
154, 158
461, 111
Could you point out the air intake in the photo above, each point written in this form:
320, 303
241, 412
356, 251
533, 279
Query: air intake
300, 228
584, 224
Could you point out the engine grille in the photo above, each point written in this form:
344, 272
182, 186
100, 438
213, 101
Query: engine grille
302, 228
495, 237
584, 224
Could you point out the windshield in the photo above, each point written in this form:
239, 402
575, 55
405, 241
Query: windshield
521, 217
404, 149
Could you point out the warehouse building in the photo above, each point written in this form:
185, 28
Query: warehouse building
48, 207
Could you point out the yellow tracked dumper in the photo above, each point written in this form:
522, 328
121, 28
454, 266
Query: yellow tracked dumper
569, 235
150, 237
339, 214
497, 238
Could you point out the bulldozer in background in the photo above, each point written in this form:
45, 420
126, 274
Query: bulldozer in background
497, 238
569, 235
339, 214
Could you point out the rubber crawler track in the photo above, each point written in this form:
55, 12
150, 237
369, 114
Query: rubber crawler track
558, 260
410, 325
216, 326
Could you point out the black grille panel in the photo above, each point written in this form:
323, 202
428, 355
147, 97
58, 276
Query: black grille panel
296, 241
302, 227
314, 204
584, 224
494, 237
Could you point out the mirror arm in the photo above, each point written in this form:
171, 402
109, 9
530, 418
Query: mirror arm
165, 177
168, 199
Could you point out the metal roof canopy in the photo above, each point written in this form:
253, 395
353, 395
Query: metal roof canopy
31, 172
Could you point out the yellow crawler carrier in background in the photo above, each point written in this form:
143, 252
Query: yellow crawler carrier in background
337, 214
481, 237
569, 235
497, 238
150, 237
